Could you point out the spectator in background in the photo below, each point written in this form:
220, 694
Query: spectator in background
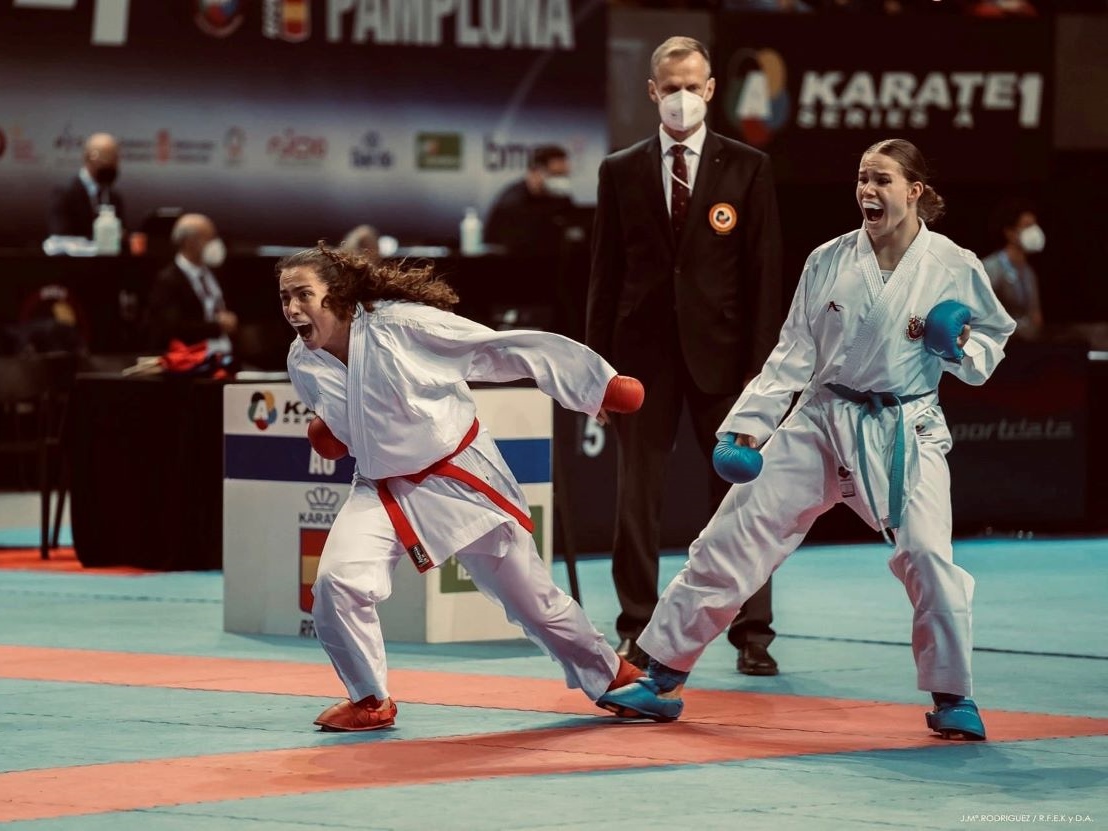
74, 207
48, 322
186, 302
529, 215
363, 240
1014, 280
685, 294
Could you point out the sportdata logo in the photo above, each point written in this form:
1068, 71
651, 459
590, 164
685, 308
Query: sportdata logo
439, 151
756, 99
262, 410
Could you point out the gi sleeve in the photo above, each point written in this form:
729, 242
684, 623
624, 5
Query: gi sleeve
787, 370
990, 328
567, 371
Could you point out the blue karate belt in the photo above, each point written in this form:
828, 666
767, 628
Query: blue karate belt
873, 403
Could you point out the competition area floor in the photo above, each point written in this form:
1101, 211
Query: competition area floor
125, 706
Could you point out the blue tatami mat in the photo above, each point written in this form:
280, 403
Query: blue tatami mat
843, 625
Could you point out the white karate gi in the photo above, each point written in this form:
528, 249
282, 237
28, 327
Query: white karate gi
847, 326
402, 404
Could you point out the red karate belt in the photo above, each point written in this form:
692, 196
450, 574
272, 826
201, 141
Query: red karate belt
443, 467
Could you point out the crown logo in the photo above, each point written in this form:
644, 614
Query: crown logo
322, 499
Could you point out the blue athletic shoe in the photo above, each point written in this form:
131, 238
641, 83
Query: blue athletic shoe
957, 720
641, 699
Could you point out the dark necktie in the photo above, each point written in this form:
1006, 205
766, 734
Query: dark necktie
679, 197
207, 281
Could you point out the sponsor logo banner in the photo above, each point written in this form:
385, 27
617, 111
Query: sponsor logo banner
1048, 432
277, 458
277, 102
439, 151
314, 523
274, 458
815, 91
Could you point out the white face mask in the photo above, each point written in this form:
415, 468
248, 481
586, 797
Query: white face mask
559, 185
1032, 239
682, 110
214, 253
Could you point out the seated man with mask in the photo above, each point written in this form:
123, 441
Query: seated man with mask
1009, 268
529, 216
186, 302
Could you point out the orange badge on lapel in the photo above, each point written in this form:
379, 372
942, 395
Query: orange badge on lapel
722, 217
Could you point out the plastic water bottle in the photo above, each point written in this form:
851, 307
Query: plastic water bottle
107, 231
471, 231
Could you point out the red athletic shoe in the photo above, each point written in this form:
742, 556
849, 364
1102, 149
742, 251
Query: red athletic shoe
349, 716
626, 674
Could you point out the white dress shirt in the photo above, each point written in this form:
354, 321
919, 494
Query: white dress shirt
209, 293
695, 148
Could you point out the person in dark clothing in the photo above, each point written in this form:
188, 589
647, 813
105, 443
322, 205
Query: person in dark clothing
74, 207
186, 301
529, 215
685, 294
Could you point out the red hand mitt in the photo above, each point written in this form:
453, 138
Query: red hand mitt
323, 440
623, 395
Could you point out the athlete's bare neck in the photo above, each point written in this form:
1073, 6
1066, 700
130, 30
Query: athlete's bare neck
891, 247
341, 348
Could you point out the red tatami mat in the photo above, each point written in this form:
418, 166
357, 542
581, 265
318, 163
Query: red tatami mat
718, 726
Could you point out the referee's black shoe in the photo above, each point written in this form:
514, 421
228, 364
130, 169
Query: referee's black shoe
754, 659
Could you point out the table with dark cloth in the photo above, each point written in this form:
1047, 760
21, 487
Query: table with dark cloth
147, 471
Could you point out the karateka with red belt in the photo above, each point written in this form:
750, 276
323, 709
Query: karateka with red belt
384, 364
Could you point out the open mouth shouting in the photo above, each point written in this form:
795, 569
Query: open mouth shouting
303, 329
872, 210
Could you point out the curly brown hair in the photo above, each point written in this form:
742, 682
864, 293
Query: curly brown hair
352, 278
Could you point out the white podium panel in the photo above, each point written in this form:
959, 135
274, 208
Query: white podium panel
280, 498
